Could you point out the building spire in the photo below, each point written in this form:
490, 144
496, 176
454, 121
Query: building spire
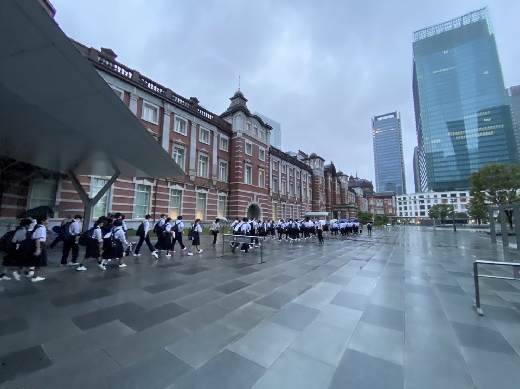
239, 82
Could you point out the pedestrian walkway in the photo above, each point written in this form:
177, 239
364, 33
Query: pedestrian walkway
388, 311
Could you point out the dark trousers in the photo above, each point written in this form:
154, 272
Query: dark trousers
369, 229
148, 243
178, 238
320, 236
215, 235
70, 244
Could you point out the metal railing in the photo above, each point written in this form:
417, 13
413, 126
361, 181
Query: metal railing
240, 239
516, 276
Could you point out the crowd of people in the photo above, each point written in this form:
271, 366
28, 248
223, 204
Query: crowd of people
107, 240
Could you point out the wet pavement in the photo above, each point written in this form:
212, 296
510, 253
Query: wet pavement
388, 311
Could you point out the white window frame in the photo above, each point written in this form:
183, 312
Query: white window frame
248, 177
104, 200
176, 127
171, 208
284, 187
274, 186
255, 130
250, 145
150, 106
202, 131
199, 172
136, 205
223, 177
297, 174
284, 168
274, 164
201, 213
118, 91
176, 159
226, 139
49, 201
248, 126
221, 211
261, 178
261, 154
262, 134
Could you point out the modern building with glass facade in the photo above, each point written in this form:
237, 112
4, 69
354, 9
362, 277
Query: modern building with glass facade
388, 153
514, 101
276, 132
462, 113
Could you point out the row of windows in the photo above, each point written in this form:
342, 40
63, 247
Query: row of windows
292, 171
260, 133
290, 190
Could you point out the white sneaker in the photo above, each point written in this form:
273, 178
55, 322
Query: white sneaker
102, 267
81, 268
30, 274
73, 263
168, 255
200, 251
183, 250
16, 275
137, 255
122, 265
155, 255
190, 253
37, 279
5, 278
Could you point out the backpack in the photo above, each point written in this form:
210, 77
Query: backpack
238, 227
175, 227
6, 241
66, 229
140, 230
159, 230
191, 232
85, 237
28, 245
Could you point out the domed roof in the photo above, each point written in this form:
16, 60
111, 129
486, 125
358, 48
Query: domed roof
340, 173
313, 155
238, 94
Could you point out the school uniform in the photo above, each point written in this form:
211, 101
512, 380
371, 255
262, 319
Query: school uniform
70, 244
196, 235
144, 238
215, 229
39, 234
178, 235
92, 249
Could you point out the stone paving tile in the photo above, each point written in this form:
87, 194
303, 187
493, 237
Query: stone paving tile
248, 317
80, 297
360, 371
197, 348
294, 370
265, 343
294, 316
122, 312
157, 288
199, 298
276, 299
154, 316
21, 363
13, 325
231, 287
164, 367
482, 338
351, 300
200, 317
384, 317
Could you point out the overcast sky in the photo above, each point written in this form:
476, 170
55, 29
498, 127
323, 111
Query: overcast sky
321, 68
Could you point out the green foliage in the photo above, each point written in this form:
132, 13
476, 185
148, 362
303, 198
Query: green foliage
495, 184
477, 209
381, 220
441, 211
461, 215
364, 217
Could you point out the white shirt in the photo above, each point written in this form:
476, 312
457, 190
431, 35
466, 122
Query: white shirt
74, 228
19, 235
119, 234
197, 228
180, 225
96, 235
146, 226
40, 233
245, 228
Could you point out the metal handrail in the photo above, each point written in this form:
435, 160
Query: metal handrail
242, 239
516, 277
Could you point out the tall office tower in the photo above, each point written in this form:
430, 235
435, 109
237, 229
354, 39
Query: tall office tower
276, 132
514, 102
388, 153
462, 115
416, 170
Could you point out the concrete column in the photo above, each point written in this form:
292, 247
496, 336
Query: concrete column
193, 147
133, 103
166, 131
215, 155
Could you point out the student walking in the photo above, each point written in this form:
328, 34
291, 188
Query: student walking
195, 232
14, 257
38, 259
369, 228
215, 229
114, 249
94, 243
143, 232
319, 231
177, 229
72, 234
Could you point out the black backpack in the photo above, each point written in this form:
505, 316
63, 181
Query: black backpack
66, 229
86, 237
175, 227
159, 230
28, 245
6, 241
140, 230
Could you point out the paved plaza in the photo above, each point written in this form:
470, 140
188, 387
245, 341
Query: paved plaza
388, 311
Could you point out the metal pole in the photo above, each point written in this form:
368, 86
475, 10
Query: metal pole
492, 229
516, 216
223, 243
503, 223
477, 291
434, 229
262, 254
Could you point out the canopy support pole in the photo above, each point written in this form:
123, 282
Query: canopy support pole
87, 201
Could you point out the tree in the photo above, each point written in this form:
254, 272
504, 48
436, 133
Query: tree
441, 211
477, 209
496, 184
381, 220
364, 217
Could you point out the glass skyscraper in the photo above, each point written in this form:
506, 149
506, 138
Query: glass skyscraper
388, 153
462, 114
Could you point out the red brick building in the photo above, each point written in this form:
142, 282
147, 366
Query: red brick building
231, 169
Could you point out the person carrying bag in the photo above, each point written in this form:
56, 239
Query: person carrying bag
215, 229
